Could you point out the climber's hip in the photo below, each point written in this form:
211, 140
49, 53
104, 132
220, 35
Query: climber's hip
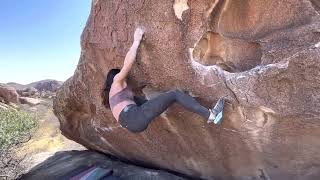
133, 118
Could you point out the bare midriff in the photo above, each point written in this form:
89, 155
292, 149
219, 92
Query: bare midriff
114, 90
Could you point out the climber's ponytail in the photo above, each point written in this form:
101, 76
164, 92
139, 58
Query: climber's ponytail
111, 74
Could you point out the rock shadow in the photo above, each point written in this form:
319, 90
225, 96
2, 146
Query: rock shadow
233, 55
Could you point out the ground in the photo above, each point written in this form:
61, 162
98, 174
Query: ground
45, 141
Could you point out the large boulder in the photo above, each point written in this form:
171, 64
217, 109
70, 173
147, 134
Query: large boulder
9, 94
262, 55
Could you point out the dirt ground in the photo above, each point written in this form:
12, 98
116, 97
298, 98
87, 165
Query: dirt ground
45, 141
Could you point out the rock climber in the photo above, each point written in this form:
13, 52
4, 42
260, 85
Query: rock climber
135, 113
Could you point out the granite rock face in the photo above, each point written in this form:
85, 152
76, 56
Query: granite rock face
263, 56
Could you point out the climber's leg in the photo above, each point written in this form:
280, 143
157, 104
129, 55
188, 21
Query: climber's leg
137, 118
132, 119
158, 105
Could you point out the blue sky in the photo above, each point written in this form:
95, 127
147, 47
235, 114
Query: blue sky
40, 39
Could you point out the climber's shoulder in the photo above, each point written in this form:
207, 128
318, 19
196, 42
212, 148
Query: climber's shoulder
118, 80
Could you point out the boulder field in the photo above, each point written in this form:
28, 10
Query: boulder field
263, 56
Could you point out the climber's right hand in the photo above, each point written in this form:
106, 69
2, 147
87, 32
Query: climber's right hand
138, 34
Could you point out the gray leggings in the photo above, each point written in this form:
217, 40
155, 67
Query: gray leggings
136, 118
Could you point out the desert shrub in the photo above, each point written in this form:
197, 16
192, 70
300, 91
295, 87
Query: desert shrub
14, 126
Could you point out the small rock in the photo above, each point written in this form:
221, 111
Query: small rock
9, 106
30, 101
3, 106
28, 92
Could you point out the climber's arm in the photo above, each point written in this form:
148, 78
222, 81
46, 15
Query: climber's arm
131, 56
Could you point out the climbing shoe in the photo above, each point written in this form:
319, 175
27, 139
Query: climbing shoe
218, 111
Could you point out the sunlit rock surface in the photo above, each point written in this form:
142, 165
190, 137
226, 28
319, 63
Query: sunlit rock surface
262, 55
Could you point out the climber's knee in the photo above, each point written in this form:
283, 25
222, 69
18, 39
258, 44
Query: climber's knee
175, 92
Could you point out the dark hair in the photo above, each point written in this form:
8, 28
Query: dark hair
111, 74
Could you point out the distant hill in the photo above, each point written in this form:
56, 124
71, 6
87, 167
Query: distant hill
43, 85
17, 86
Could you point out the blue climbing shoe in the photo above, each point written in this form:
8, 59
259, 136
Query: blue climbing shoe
218, 110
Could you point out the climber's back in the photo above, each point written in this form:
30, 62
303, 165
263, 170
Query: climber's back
120, 96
